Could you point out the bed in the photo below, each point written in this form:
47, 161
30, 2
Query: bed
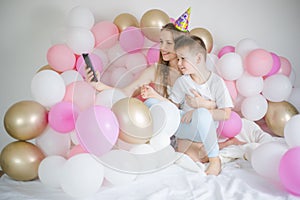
237, 181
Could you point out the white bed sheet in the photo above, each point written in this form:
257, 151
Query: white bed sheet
237, 181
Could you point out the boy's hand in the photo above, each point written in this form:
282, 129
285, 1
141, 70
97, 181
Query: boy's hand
187, 117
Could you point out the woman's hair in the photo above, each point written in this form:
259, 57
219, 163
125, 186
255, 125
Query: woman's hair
162, 72
194, 43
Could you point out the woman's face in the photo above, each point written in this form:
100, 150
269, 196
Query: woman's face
167, 45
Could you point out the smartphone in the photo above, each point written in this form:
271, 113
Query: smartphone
89, 64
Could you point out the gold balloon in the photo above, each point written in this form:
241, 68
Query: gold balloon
205, 35
278, 114
135, 121
25, 120
151, 23
46, 67
125, 20
20, 160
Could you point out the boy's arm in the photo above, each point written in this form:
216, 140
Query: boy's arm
220, 114
199, 102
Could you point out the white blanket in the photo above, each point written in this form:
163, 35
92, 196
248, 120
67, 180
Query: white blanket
237, 181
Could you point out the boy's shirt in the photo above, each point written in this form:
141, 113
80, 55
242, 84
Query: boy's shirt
213, 89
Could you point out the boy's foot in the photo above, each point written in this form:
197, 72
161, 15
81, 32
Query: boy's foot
214, 167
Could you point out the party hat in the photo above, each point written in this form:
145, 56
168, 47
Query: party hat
182, 23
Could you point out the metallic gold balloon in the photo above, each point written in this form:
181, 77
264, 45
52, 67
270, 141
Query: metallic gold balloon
20, 160
205, 35
46, 67
25, 120
278, 114
151, 23
135, 121
125, 20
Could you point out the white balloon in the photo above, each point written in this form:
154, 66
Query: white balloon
80, 40
230, 66
80, 17
109, 97
142, 149
103, 57
71, 76
254, 108
211, 62
277, 88
291, 131
118, 178
166, 118
160, 141
246, 45
48, 87
265, 159
121, 161
116, 56
136, 62
82, 175
121, 77
53, 143
248, 85
50, 170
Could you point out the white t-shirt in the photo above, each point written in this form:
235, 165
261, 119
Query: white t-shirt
213, 89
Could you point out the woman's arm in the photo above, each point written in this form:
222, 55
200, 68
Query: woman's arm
145, 78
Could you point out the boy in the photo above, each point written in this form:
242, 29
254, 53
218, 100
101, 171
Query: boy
199, 125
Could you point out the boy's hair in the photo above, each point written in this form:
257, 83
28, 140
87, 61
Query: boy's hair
194, 43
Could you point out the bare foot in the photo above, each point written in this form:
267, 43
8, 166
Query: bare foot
214, 167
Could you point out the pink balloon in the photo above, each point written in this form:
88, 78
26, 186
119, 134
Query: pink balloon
77, 149
289, 170
106, 34
62, 117
275, 66
285, 67
153, 54
232, 89
97, 129
81, 94
61, 58
259, 62
96, 62
132, 39
226, 49
231, 127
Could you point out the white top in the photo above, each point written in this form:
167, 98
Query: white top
213, 89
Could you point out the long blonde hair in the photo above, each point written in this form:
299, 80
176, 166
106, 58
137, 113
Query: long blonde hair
163, 69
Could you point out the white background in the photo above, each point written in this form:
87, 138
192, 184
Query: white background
27, 27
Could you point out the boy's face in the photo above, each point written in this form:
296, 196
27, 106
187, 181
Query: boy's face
167, 45
187, 62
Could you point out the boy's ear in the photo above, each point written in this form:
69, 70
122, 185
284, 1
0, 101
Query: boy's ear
199, 57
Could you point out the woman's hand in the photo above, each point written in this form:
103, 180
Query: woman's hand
98, 85
198, 101
148, 92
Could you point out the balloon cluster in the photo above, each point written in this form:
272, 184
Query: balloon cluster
83, 136
106, 134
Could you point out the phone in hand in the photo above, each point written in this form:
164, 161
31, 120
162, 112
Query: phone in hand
89, 64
